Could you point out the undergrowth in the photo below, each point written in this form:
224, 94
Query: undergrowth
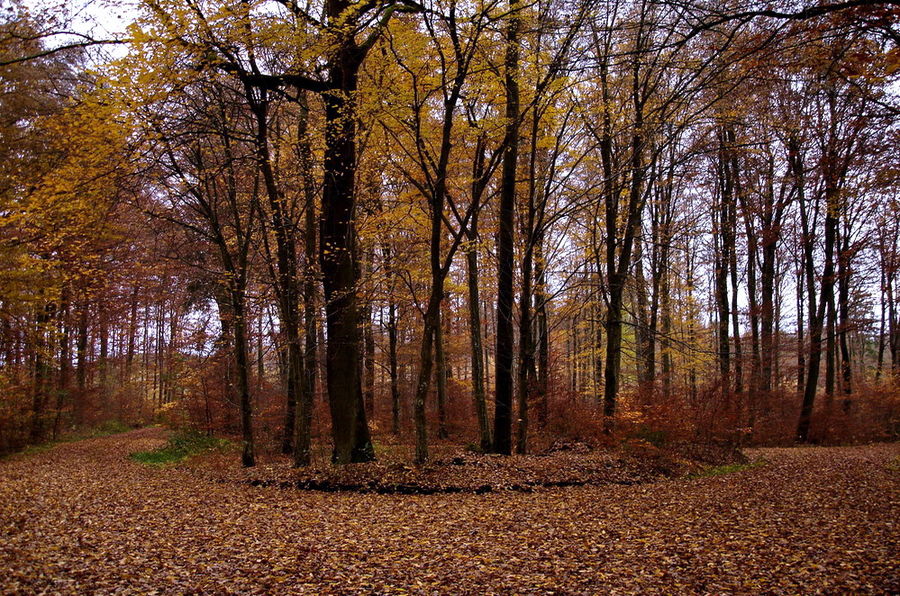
179, 447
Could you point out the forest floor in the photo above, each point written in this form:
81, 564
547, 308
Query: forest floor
84, 518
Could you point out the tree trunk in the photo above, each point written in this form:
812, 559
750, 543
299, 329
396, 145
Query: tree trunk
303, 429
440, 373
720, 223
369, 347
816, 324
41, 371
81, 364
65, 359
540, 310
844, 272
475, 336
392, 342
339, 260
503, 391
426, 363
239, 323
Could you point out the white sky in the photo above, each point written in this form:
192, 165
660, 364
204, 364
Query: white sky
100, 19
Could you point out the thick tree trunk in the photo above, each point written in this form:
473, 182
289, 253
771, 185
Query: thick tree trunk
503, 391
339, 260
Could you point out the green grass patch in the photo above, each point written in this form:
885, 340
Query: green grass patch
728, 469
180, 446
35, 449
110, 427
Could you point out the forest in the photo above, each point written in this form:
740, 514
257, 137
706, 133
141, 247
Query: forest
449, 296
472, 220
492, 223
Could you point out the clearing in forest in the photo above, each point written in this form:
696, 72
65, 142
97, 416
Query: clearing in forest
83, 517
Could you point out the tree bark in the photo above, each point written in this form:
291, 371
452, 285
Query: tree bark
339, 259
503, 375
303, 428
475, 337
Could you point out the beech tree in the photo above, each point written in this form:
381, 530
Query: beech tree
673, 215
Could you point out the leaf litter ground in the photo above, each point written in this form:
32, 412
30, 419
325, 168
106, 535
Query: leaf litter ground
84, 518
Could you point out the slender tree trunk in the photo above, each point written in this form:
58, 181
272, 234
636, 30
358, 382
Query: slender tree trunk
81, 364
286, 282
239, 323
475, 336
735, 311
618, 265
65, 358
440, 373
103, 362
642, 340
801, 342
879, 365
893, 328
756, 374
392, 365
368, 346
721, 283
812, 378
41, 371
392, 341
260, 351
540, 310
844, 272
526, 371
303, 429
830, 348
132, 334
426, 363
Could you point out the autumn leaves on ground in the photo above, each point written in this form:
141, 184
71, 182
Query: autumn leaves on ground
85, 518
